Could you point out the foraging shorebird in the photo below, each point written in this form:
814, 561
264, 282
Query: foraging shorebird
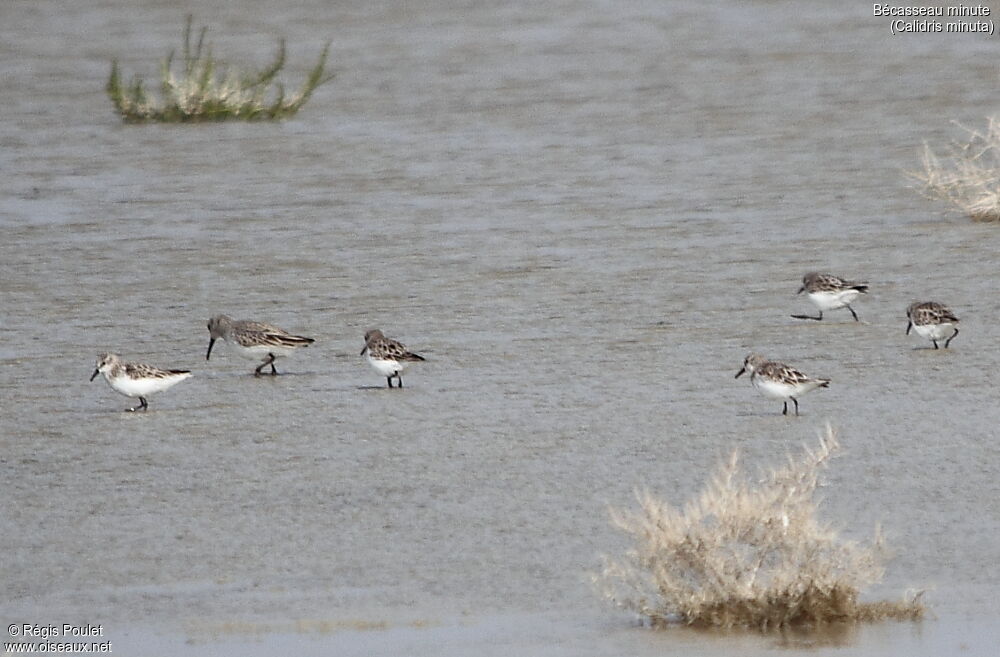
388, 357
254, 341
135, 379
829, 292
933, 321
779, 381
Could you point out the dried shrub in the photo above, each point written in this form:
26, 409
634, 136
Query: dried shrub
750, 555
206, 90
967, 174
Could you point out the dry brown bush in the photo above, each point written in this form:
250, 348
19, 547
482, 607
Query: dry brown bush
967, 175
745, 554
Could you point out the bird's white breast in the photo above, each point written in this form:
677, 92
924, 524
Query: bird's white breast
833, 300
385, 367
141, 387
935, 331
259, 352
773, 388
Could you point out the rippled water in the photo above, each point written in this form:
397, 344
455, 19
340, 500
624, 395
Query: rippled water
583, 214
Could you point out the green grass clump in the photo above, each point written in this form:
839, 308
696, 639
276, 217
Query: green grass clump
751, 555
967, 175
206, 90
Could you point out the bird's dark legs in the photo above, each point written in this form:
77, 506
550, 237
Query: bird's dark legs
950, 339
935, 343
394, 375
269, 361
853, 313
400, 379
784, 407
142, 405
388, 380
818, 319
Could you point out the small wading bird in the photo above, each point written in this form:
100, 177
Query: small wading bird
388, 357
779, 381
829, 292
136, 379
254, 341
933, 321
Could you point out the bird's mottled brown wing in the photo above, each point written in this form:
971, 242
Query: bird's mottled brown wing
932, 313
388, 349
141, 371
272, 337
781, 372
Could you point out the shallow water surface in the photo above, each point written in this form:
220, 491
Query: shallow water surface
583, 215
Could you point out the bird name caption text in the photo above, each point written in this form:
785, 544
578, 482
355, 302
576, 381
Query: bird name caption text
909, 19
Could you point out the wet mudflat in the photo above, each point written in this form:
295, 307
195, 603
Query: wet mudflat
584, 216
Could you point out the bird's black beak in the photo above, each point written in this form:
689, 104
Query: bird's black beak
211, 343
94, 375
363, 351
801, 290
740, 373
909, 325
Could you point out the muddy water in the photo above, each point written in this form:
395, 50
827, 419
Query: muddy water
583, 215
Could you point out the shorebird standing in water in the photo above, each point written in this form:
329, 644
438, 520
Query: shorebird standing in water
388, 357
135, 379
779, 381
254, 341
932, 320
829, 292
